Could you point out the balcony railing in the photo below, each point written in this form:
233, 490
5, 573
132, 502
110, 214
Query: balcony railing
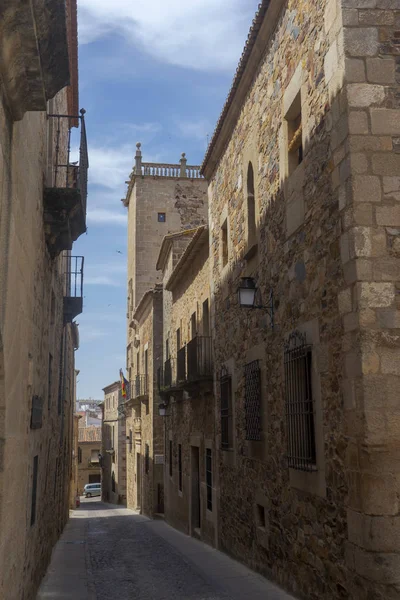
199, 359
73, 287
140, 386
65, 195
165, 376
181, 365
137, 425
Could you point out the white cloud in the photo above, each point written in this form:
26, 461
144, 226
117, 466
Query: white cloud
197, 130
110, 167
104, 216
102, 280
199, 34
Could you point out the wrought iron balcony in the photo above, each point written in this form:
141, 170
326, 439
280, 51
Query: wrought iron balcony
165, 378
65, 194
73, 287
199, 359
181, 365
140, 386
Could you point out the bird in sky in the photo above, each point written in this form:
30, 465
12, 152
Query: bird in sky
118, 252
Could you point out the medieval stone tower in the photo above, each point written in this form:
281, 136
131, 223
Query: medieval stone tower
161, 199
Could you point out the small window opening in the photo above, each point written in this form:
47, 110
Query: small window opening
260, 516
170, 458
251, 206
180, 466
295, 138
224, 242
209, 478
161, 217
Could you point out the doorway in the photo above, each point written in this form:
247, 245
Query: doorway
138, 481
195, 477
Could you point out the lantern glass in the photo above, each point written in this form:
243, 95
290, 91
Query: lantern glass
161, 410
247, 292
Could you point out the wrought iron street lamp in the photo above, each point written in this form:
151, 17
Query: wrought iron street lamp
247, 294
162, 410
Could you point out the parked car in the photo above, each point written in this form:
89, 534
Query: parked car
92, 489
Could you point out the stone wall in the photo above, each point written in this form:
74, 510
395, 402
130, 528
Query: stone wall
113, 439
326, 244
32, 329
190, 412
301, 541
145, 484
369, 296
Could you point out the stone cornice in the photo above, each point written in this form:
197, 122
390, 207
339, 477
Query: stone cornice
199, 239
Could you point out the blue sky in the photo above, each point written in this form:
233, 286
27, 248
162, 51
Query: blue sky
150, 71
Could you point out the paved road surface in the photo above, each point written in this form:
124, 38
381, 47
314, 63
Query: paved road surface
108, 552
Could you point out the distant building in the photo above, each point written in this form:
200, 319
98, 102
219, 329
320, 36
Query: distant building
113, 452
89, 454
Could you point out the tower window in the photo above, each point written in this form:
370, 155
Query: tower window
161, 217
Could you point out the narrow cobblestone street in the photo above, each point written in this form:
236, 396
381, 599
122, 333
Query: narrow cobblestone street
109, 552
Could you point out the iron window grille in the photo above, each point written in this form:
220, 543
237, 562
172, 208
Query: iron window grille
36, 412
180, 466
147, 459
130, 440
299, 403
252, 395
209, 478
226, 410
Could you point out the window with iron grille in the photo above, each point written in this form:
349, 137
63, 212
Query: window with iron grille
226, 411
146, 459
34, 489
209, 478
130, 440
79, 454
252, 398
180, 466
299, 403
170, 458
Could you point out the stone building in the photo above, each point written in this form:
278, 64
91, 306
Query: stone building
185, 382
89, 452
113, 448
42, 211
161, 199
74, 485
145, 483
304, 191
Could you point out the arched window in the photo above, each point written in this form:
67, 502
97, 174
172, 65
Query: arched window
251, 207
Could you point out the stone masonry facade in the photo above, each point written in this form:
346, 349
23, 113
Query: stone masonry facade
162, 199
286, 455
145, 428
303, 175
113, 446
189, 430
37, 341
